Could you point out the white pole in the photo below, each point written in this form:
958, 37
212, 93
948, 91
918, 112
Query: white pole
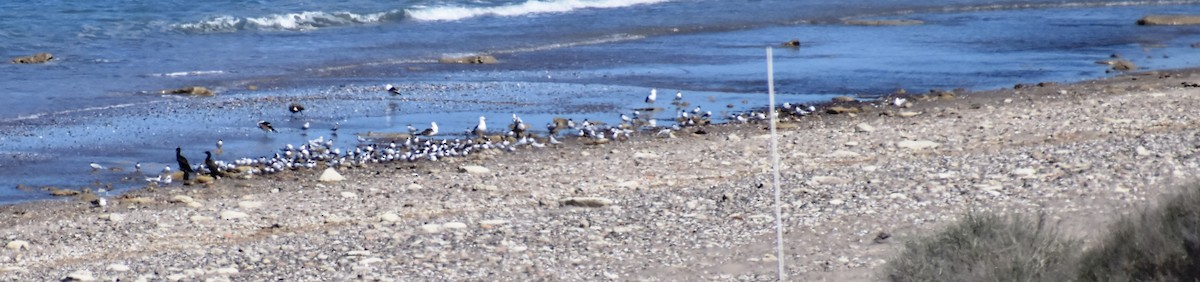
780, 274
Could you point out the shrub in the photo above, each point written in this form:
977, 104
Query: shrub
1157, 244
987, 248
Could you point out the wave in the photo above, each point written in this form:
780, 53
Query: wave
452, 13
188, 73
302, 21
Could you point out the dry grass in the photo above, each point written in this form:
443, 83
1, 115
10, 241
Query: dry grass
1157, 244
986, 248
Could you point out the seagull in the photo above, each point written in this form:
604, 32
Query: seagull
295, 108
265, 126
653, 95
96, 166
678, 95
432, 130
137, 166
392, 89
305, 126
220, 143
899, 102
183, 163
479, 129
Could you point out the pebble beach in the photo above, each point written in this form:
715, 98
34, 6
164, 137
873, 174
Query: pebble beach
691, 207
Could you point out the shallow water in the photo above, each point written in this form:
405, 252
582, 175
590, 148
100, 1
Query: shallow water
97, 102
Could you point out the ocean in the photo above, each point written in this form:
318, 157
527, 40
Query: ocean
100, 99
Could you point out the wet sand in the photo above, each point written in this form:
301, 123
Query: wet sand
661, 209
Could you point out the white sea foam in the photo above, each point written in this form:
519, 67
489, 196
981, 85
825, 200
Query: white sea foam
451, 13
73, 111
188, 73
302, 21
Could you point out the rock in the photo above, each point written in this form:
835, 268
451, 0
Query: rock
492, 223
844, 154
192, 90
640, 155
138, 200
850, 143
917, 144
1123, 65
829, 180
474, 169
79, 275
348, 194
841, 110
331, 175
1142, 151
431, 228
844, 99
389, 217
885, 22
33, 59
1024, 172
733, 137
114, 217
250, 204
62, 192
232, 214
226, 271
590, 202
1169, 20
907, 114
414, 186
473, 59
454, 225
863, 127
204, 179
181, 199
17, 245
836, 202
116, 267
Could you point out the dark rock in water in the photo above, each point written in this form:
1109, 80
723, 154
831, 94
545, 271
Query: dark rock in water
474, 59
1046, 84
1020, 85
1169, 20
1123, 65
34, 59
794, 43
884, 22
193, 90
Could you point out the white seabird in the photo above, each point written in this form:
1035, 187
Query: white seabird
678, 95
96, 166
653, 95
431, 131
392, 89
481, 128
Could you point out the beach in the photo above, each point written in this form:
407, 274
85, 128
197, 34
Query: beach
654, 208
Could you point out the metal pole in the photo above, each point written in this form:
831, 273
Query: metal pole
780, 274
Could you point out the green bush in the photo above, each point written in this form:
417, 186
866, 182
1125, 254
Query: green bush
987, 248
1159, 244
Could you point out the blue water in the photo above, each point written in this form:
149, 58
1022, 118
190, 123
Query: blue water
97, 101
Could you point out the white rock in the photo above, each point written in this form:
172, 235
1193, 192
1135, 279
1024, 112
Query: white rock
1024, 172
370, 260
591, 202
870, 168
492, 223
182, 199
176, 277
116, 267
331, 175
917, 144
389, 217
348, 194
80, 275
640, 155
250, 204
226, 271
415, 186
863, 127
836, 202
628, 184
1142, 151
851, 143
733, 137
474, 169
844, 154
829, 180
232, 214
114, 217
431, 228
17, 245
454, 225
898, 196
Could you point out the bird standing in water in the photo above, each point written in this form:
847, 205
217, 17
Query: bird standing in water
431, 131
265, 126
183, 164
392, 89
214, 170
653, 95
296, 108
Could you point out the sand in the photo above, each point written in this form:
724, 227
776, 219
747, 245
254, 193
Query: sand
694, 207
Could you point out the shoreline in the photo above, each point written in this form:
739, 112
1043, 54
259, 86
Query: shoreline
1068, 150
